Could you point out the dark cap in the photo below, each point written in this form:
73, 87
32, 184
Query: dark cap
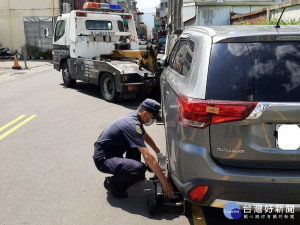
153, 107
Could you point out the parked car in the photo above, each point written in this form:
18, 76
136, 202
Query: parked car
142, 42
4, 51
231, 106
161, 43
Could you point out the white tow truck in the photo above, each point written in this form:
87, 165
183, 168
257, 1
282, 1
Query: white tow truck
99, 45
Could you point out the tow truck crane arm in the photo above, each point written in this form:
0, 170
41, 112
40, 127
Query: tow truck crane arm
146, 58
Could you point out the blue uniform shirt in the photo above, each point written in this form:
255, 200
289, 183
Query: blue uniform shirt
120, 136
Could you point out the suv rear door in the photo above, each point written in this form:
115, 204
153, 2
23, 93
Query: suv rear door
267, 73
179, 65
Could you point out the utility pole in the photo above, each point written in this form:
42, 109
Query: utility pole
10, 27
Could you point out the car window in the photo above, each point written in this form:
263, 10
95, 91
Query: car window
162, 40
173, 53
60, 30
278, 71
98, 25
230, 74
183, 57
270, 73
121, 26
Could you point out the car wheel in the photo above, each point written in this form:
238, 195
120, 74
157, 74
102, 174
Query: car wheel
66, 76
152, 206
108, 88
187, 209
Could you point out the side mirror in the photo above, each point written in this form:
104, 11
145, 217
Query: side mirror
164, 61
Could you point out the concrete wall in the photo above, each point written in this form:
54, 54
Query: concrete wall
273, 12
217, 13
249, 18
12, 12
292, 11
220, 15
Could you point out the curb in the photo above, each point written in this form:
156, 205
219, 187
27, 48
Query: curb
13, 75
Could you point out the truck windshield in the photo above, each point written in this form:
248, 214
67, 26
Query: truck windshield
59, 30
98, 25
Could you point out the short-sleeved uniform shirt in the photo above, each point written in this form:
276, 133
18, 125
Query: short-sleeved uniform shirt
120, 136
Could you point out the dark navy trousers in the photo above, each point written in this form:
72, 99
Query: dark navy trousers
126, 171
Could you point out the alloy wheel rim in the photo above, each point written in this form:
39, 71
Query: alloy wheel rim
108, 87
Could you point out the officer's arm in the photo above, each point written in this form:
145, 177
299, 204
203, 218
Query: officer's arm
151, 161
150, 142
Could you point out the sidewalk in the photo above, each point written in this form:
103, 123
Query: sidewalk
34, 66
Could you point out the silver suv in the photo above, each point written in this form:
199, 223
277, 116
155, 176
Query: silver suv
231, 105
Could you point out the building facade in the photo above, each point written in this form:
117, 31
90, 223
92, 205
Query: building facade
15, 13
161, 20
292, 11
174, 19
184, 13
218, 13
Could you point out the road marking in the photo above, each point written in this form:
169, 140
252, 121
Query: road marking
12, 122
198, 216
16, 127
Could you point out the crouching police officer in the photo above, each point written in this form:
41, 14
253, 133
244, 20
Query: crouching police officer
127, 135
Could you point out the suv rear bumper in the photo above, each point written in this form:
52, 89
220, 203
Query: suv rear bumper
234, 184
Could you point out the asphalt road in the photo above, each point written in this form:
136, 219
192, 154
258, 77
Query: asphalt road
48, 176
47, 172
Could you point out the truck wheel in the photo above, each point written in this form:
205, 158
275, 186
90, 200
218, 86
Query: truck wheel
66, 76
108, 88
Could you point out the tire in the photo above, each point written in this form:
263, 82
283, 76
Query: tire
108, 88
155, 93
187, 209
152, 206
66, 76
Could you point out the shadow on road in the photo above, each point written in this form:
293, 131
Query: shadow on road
136, 203
94, 91
86, 88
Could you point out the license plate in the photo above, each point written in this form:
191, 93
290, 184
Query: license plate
288, 136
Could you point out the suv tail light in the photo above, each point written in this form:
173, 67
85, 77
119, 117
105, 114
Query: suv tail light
202, 113
198, 193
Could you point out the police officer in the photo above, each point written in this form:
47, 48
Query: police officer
127, 135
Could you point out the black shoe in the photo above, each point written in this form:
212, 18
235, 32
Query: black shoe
113, 190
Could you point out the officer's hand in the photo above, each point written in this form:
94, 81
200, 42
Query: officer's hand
161, 160
167, 187
161, 156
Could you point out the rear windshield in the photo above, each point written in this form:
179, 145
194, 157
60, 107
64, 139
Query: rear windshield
98, 25
268, 71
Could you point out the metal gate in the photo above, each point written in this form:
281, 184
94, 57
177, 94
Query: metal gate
39, 31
